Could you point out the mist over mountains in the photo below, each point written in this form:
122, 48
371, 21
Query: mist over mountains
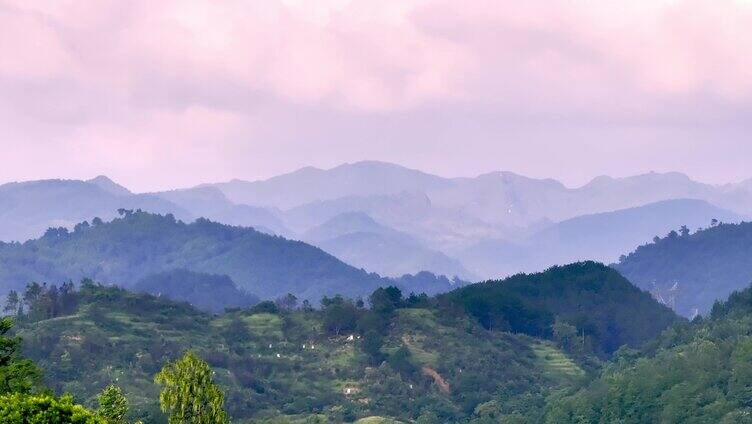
392, 220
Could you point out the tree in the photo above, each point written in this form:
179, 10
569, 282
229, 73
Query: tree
31, 298
189, 394
17, 375
385, 300
400, 361
12, 303
113, 406
340, 314
565, 335
236, 334
18, 408
287, 303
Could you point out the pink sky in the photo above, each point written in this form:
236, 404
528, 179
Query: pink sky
161, 94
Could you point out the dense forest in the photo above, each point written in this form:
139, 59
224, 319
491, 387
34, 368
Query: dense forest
404, 357
139, 244
699, 372
586, 301
690, 271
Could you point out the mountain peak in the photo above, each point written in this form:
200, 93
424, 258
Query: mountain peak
106, 184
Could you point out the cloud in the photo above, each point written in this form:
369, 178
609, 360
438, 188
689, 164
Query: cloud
128, 83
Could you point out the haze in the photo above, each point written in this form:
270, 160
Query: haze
166, 94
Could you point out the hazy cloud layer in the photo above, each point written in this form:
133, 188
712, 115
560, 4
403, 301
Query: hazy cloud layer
190, 91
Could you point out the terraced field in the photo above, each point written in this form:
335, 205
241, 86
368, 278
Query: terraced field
554, 361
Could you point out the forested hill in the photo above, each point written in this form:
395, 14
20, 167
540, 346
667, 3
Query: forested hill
693, 270
139, 244
465, 357
694, 373
586, 301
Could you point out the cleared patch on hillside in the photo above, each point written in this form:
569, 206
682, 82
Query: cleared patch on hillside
555, 362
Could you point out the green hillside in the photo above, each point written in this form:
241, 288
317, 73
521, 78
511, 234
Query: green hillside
588, 306
690, 271
411, 360
694, 373
139, 244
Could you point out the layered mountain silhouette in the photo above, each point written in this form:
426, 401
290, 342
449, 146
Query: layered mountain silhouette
358, 240
27, 209
139, 244
487, 226
602, 237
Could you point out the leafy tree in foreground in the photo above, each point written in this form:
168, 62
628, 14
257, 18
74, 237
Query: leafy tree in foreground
113, 406
189, 394
17, 375
19, 408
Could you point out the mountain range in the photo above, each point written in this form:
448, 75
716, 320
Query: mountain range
489, 226
145, 250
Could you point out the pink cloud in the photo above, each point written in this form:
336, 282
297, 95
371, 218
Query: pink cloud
132, 83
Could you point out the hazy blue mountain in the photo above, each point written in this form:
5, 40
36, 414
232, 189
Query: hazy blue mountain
692, 271
505, 198
495, 196
449, 214
140, 244
601, 237
209, 202
360, 241
109, 186
208, 292
27, 209
496, 222
368, 178
409, 212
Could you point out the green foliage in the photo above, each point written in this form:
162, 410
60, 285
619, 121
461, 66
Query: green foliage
604, 308
340, 315
189, 393
291, 364
113, 406
694, 373
17, 375
44, 302
21, 408
707, 265
385, 300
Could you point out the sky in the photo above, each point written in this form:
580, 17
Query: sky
164, 94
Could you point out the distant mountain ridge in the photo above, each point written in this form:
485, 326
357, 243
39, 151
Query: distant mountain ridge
602, 237
27, 209
367, 178
485, 224
139, 244
506, 189
360, 241
452, 214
